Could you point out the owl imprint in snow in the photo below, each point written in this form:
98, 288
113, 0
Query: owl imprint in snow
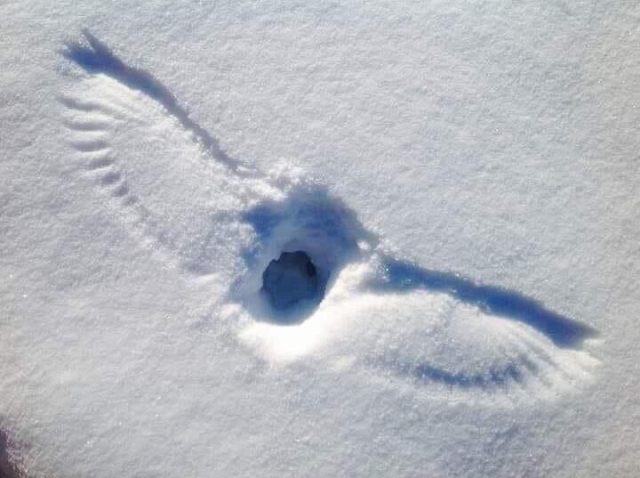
306, 274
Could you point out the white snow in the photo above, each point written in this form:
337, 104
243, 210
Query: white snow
463, 174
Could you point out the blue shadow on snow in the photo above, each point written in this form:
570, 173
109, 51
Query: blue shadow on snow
96, 57
564, 332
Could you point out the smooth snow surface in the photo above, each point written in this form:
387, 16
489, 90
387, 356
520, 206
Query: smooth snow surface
462, 176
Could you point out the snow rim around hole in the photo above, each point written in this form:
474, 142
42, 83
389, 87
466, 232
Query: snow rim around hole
308, 220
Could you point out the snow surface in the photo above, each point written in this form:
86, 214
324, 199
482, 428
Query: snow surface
465, 174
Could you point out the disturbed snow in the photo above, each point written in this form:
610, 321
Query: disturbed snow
137, 338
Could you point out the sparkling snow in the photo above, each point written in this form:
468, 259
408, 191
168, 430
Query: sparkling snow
464, 176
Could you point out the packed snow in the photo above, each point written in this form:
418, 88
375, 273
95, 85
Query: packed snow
319, 239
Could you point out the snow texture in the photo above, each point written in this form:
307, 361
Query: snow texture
462, 178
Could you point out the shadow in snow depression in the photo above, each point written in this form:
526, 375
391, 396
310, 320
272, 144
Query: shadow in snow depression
564, 332
308, 221
311, 222
494, 377
96, 57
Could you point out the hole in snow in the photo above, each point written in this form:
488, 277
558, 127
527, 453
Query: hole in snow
301, 244
290, 280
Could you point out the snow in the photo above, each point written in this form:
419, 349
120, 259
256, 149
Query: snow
463, 173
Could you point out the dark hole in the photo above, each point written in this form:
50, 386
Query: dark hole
290, 279
311, 269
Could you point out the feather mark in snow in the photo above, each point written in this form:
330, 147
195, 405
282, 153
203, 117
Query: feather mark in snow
96, 57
